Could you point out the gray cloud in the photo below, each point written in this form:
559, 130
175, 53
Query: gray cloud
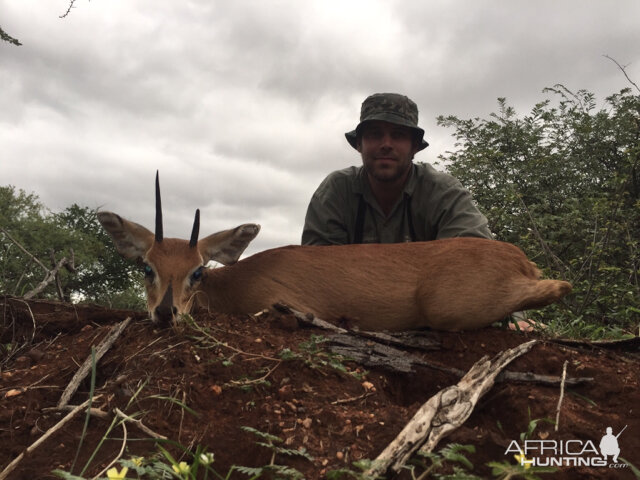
242, 105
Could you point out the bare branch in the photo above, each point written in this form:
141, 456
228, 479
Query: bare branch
564, 378
71, 2
5, 473
140, 425
624, 71
445, 411
51, 276
33, 257
84, 370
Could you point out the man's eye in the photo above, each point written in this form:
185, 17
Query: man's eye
372, 134
400, 135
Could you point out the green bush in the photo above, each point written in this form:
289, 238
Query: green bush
563, 184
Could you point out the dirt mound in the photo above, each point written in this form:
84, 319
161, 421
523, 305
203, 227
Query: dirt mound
200, 385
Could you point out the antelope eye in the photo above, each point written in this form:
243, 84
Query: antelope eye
148, 271
197, 275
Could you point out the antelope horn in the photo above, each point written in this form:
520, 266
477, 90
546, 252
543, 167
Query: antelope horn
158, 211
196, 230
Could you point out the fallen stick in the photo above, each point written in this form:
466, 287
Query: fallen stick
94, 412
140, 425
541, 379
84, 370
101, 414
444, 412
9, 468
342, 401
374, 354
413, 339
309, 319
564, 378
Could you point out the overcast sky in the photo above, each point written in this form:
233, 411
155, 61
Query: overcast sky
242, 105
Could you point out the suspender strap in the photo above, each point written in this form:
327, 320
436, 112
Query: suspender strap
362, 210
412, 230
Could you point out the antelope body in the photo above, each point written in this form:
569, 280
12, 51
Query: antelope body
449, 284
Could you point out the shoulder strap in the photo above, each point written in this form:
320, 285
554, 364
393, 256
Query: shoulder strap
359, 230
412, 230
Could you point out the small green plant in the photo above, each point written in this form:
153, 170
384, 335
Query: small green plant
271, 442
523, 468
424, 465
161, 466
362, 466
632, 467
188, 471
317, 357
506, 471
532, 425
585, 328
431, 463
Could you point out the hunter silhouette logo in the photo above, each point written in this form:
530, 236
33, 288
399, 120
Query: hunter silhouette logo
568, 453
609, 444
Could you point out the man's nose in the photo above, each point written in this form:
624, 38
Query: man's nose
386, 141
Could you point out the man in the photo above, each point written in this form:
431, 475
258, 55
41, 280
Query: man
389, 199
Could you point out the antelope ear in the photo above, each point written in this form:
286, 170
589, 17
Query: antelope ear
226, 247
132, 241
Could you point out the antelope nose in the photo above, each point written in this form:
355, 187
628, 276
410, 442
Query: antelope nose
165, 311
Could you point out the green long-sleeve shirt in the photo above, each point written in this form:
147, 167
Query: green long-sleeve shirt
438, 204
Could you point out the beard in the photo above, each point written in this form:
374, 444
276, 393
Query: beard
389, 172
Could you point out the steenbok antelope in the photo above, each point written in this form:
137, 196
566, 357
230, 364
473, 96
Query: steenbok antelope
450, 284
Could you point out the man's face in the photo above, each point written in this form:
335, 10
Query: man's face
387, 150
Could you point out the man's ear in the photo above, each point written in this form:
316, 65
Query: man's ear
359, 143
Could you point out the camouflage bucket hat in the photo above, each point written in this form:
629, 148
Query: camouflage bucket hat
392, 108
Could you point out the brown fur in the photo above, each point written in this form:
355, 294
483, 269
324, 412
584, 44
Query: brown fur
450, 284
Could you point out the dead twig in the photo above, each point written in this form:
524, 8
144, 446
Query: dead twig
69, 266
564, 378
352, 399
309, 319
374, 354
365, 348
624, 71
139, 424
71, 2
84, 370
19, 245
94, 412
444, 412
9, 468
414, 339
52, 275
102, 415
33, 318
243, 383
